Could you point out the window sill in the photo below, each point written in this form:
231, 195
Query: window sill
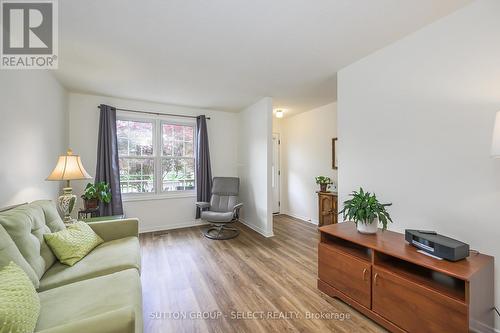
163, 196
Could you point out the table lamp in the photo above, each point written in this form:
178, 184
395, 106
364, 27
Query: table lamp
495, 146
69, 167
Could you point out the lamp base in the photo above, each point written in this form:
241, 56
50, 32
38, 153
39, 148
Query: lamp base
66, 203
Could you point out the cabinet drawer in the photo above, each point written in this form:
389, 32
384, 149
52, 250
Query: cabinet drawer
416, 308
346, 273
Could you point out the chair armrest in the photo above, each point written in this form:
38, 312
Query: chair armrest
203, 205
115, 229
236, 209
118, 321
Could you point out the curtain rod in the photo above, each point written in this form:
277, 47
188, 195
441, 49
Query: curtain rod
156, 113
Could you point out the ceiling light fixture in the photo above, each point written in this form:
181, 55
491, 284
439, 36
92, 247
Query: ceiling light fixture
279, 113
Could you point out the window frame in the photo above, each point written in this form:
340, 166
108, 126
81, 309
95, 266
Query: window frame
157, 156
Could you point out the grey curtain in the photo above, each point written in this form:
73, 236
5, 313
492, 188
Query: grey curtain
203, 168
108, 169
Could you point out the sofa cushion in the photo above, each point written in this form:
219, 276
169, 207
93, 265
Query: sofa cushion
19, 302
88, 298
117, 321
10, 253
52, 218
107, 258
26, 225
73, 243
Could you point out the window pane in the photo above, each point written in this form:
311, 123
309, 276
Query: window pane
178, 132
137, 175
122, 146
178, 148
177, 174
168, 148
135, 138
168, 130
188, 149
121, 128
177, 140
188, 133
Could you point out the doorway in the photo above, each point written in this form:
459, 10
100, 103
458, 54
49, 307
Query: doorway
276, 173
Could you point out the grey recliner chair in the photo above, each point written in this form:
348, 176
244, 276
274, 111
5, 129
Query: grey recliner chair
223, 208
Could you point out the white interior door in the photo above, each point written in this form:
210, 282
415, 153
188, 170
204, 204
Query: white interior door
276, 173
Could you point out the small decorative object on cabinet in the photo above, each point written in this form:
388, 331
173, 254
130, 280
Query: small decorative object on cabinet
387, 280
323, 182
366, 211
328, 212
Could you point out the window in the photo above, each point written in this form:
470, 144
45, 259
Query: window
135, 151
177, 160
156, 155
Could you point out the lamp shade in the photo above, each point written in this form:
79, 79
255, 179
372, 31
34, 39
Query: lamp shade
495, 146
69, 167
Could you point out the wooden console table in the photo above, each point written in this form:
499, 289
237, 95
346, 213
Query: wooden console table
387, 280
327, 205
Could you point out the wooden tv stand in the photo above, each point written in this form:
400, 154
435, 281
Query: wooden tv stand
387, 280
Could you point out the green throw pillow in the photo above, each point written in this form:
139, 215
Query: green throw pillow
73, 243
19, 302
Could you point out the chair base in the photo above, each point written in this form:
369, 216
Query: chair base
221, 232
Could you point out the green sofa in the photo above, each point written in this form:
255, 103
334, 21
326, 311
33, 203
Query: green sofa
100, 293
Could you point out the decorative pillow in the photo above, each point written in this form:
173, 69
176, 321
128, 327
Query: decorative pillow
74, 243
19, 302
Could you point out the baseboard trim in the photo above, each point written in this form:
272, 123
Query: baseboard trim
303, 218
480, 327
164, 227
197, 223
257, 229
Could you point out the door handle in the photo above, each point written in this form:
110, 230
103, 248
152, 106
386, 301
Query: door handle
364, 274
375, 278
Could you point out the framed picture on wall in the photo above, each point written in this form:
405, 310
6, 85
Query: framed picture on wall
334, 154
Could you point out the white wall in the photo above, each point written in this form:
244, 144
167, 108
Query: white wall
158, 214
306, 149
33, 108
415, 126
254, 165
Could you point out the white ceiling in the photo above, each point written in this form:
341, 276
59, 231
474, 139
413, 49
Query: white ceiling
226, 54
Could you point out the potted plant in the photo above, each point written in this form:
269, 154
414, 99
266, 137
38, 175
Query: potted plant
95, 193
323, 182
366, 211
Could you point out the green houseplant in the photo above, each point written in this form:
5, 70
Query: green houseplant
95, 193
323, 182
366, 211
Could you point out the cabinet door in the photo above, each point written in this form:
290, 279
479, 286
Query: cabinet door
416, 308
325, 210
345, 273
335, 210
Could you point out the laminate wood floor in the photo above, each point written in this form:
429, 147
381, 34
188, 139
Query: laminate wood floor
247, 284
